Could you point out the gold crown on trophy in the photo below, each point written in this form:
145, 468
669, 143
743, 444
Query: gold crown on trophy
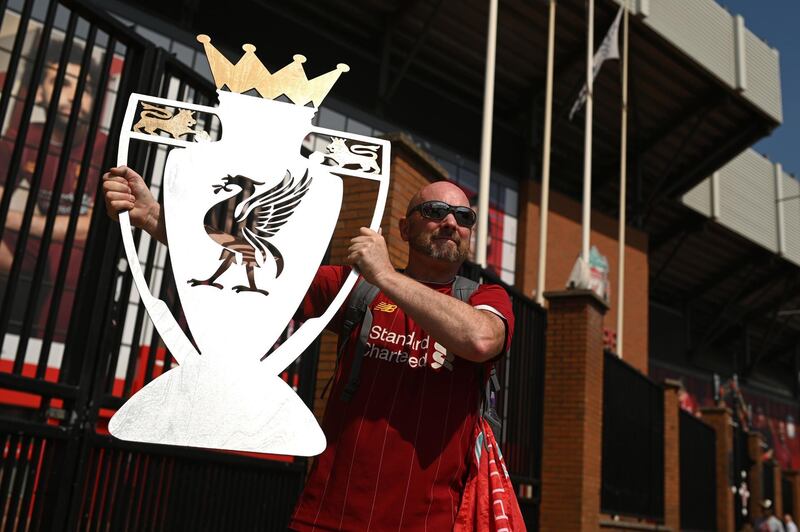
250, 73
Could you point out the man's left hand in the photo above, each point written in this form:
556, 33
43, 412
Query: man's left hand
368, 253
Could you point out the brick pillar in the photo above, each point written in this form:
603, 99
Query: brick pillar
778, 502
573, 412
755, 476
720, 420
793, 476
672, 455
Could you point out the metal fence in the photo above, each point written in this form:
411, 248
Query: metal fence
75, 340
768, 481
698, 471
633, 442
137, 487
520, 399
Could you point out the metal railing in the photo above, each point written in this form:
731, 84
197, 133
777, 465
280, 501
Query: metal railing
520, 400
75, 339
768, 481
698, 474
633, 442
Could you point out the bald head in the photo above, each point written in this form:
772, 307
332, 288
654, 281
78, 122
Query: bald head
432, 237
442, 191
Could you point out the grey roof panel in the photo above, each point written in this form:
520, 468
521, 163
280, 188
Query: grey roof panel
791, 217
750, 187
699, 198
763, 76
706, 32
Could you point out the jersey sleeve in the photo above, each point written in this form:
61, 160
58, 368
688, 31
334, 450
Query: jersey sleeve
326, 284
493, 298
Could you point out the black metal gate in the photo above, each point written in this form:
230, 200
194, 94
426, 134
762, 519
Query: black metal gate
520, 401
768, 481
740, 477
75, 340
632, 480
698, 470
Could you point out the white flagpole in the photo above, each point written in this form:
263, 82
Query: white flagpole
486, 138
623, 168
587, 141
544, 206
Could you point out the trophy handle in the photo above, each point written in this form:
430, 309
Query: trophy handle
289, 350
165, 323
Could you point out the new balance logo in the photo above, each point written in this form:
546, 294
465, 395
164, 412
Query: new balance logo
441, 357
385, 307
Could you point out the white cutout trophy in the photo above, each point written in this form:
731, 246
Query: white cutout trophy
240, 284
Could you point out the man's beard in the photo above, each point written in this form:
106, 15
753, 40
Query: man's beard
426, 244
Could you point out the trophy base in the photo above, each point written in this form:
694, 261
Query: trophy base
198, 405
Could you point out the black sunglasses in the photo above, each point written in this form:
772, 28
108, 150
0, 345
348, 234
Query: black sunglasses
438, 210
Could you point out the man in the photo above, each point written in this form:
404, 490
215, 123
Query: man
68, 192
789, 522
398, 447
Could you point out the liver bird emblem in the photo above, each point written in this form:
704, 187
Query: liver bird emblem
257, 217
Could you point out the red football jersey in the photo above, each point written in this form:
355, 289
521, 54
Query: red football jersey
397, 452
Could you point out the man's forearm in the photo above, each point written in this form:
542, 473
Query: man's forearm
154, 224
472, 334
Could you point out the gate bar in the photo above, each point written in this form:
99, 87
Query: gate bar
73, 222
13, 170
55, 196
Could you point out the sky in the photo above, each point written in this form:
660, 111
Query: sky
778, 23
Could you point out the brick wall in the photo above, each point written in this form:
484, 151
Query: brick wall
573, 412
563, 247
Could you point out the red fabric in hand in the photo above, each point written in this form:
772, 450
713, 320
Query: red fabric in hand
489, 503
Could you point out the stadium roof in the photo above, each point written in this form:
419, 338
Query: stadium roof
420, 64
732, 255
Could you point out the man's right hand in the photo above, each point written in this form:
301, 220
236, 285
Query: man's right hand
125, 190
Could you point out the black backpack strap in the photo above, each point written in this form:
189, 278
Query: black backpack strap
463, 288
357, 305
488, 408
357, 311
